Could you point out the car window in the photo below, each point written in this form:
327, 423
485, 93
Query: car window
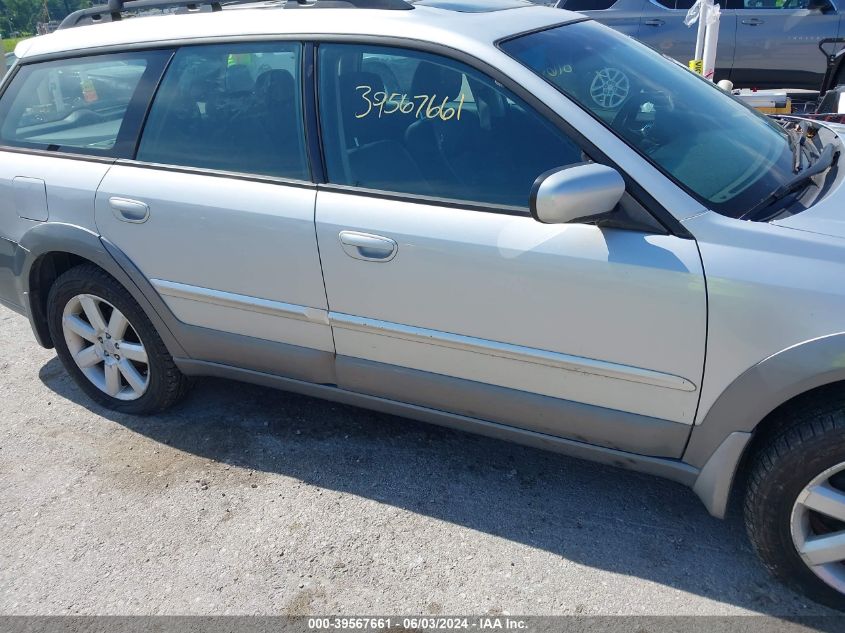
231, 107
83, 104
411, 122
721, 151
769, 4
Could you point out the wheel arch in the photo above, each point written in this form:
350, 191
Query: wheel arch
744, 413
49, 249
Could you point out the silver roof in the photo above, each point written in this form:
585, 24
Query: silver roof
450, 26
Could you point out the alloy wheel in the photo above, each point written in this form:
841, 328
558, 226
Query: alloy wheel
818, 526
105, 347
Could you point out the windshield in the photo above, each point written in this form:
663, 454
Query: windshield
722, 152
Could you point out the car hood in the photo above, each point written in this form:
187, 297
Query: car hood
827, 216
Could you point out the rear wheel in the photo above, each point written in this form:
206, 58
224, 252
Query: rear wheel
795, 502
107, 343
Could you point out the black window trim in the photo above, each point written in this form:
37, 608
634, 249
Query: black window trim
131, 124
242, 175
658, 211
669, 222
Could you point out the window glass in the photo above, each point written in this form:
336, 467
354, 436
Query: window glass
233, 107
686, 5
587, 5
713, 145
410, 122
770, 4
79, 104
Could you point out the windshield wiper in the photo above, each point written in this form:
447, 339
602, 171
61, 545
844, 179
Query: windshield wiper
824, 162
796, 142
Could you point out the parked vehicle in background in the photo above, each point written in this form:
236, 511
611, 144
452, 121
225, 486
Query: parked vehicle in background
489, 215
762, 43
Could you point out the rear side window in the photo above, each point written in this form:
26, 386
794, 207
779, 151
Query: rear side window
411, 122
230, 107
91, 105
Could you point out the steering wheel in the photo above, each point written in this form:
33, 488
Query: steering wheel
641, 116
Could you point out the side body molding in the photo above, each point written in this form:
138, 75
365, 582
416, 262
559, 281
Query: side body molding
729, 423
182, 340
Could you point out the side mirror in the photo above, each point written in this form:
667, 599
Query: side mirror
578, 193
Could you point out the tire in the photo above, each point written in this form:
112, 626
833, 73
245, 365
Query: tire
806, 450
145, 379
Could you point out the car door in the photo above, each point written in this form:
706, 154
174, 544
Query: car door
444, 292
777, 42
622, 15
217, 208
62, 124
662, 27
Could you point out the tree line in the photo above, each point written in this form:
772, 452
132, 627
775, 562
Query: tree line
22, 15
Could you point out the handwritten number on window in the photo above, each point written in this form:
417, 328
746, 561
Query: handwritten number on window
423, 106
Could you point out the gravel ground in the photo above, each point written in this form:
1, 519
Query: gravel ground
245, 500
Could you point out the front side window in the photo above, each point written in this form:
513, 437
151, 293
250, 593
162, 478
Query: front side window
230, 107
82, 105
718, 149
411, 122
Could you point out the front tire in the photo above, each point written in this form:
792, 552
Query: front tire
108, 345
795, 501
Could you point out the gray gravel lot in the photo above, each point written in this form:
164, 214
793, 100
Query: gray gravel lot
245, 500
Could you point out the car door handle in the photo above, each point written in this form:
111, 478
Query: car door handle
752, 21
129, 210
373, 248
655, 22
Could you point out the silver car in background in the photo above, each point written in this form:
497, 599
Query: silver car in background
762, 43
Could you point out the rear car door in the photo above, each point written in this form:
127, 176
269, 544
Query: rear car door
63, 122
444, 291
217, 207
662, 27
777, 42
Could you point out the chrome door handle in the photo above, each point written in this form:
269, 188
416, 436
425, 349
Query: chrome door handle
752, 21
372, 248
655, 22
129, 210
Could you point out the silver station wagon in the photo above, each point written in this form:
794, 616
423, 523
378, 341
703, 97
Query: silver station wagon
489, 215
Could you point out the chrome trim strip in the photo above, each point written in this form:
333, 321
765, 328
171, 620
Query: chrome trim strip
240, 302
514, 352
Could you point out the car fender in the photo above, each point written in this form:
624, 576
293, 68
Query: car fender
718, 443
51, 237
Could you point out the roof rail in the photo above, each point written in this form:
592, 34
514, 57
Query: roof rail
391, 5
112, 12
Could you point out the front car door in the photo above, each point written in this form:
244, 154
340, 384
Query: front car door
777, 42
217, 209
444, 292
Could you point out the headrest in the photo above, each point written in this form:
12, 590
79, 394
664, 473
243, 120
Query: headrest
350, 81
238, 79
275, 85
431, 78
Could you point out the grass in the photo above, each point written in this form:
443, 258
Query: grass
9, 45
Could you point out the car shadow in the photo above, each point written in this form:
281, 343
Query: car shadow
603, 517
